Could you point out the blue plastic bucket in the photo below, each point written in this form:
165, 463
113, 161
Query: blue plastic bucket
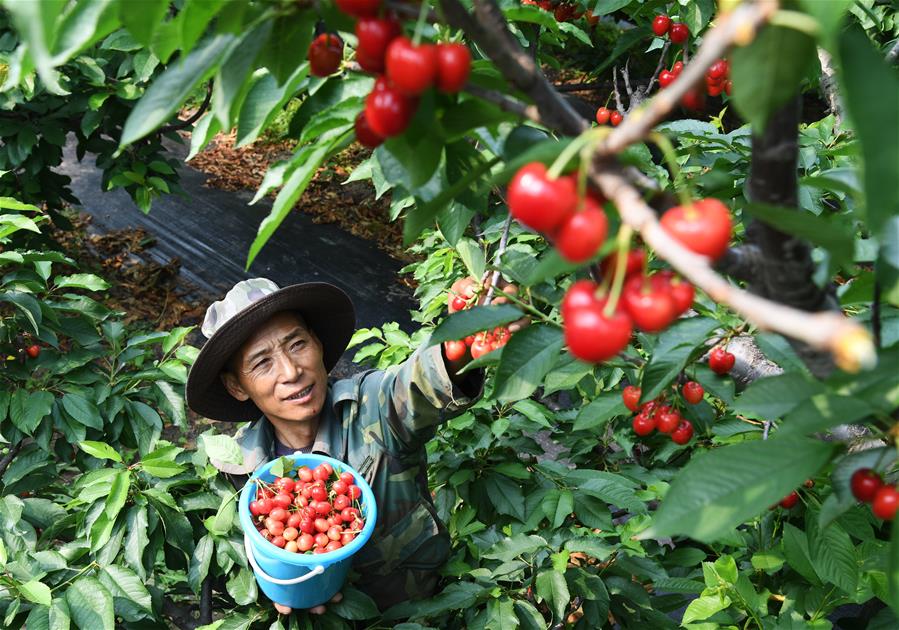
301, 580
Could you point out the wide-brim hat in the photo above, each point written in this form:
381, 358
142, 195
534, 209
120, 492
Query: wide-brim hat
326, 309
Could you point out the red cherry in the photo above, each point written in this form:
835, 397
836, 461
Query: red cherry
341, 501
539, 202
453, 67
334, 545
581, 293
650, 308
727, 87
305, 542
339, 487
290, 533
387, 111
275, 527
692, 392
254, 508
279, 541
721, 361
661, 24
678, 33
615, 118
480, 346
683, 433
865, 483
412, 69
359, 8
714, 90
33, 351
681, 291
602, 115
666, 78
304, 474
564, 12
593, 337
322, 508
583, 233
886, 501
365, 134
334, 533
325, 54
631, 397
347, 478
354, 492
668, 422
282, 500
321, 525
643, 424
348, 515
454, 350
321, 539
790, 501
592, 20
705, 227
278, 514
717, 70
285, 484
374, 35
677, 67
265, 505
694, 99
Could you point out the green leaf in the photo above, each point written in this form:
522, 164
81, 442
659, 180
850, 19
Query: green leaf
136, 539
823, 411
829, 15
456, 596
472, 256
167, 93
60, 617
719, 489
773, 396
81, 281
553, 589
312, 157
266, 97
704, 607
893, 568
100, 450
767, 72
224, 517
528, 616
672, 351
355, 605
797, 553
82, 410
291, 32
35, 591
506, 495
601, 409
118, 494
29, 307
464, 323
223, 448
242, 587
508, 549
866, 78
610, 487
90, 604
199, 563
142, 18
27, 409
767, 561
833, 557
833, 234
35, 22
123, 583
592, 512
528, 356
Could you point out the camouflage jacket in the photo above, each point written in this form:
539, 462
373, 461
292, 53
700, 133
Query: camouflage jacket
378, 422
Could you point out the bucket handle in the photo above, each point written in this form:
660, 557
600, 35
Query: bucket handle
308, 576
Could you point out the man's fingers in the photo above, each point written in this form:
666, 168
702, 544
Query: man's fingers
317, 610
337, 598
284, 610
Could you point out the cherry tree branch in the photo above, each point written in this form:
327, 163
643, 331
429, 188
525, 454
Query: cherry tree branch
829, 86
738, 26
826, 330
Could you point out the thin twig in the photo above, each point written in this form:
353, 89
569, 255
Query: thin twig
893, 55
196, 115
503, 240
849, 342
659, 66
615, 90
626, 75
7, 459
505, 103
765, 428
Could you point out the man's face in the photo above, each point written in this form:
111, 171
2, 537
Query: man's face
280, 368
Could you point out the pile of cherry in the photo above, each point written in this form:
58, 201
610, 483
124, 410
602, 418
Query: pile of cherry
317, 512
868, 487
405, 70
655, 414
564, 11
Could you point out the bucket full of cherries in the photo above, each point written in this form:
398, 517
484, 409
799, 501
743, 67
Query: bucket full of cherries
301, 529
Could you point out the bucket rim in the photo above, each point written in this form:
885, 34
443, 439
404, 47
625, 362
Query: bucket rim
370, 511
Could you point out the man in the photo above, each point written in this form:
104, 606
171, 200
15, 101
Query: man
267, 359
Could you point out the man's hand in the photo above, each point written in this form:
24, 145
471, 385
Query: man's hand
315, 610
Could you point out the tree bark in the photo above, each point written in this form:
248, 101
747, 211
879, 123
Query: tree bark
786, 270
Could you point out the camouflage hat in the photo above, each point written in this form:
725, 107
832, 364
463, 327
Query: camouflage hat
326, 309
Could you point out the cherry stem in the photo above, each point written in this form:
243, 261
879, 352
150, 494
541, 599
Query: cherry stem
419, 26
624, 241
589, 136
681, 185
